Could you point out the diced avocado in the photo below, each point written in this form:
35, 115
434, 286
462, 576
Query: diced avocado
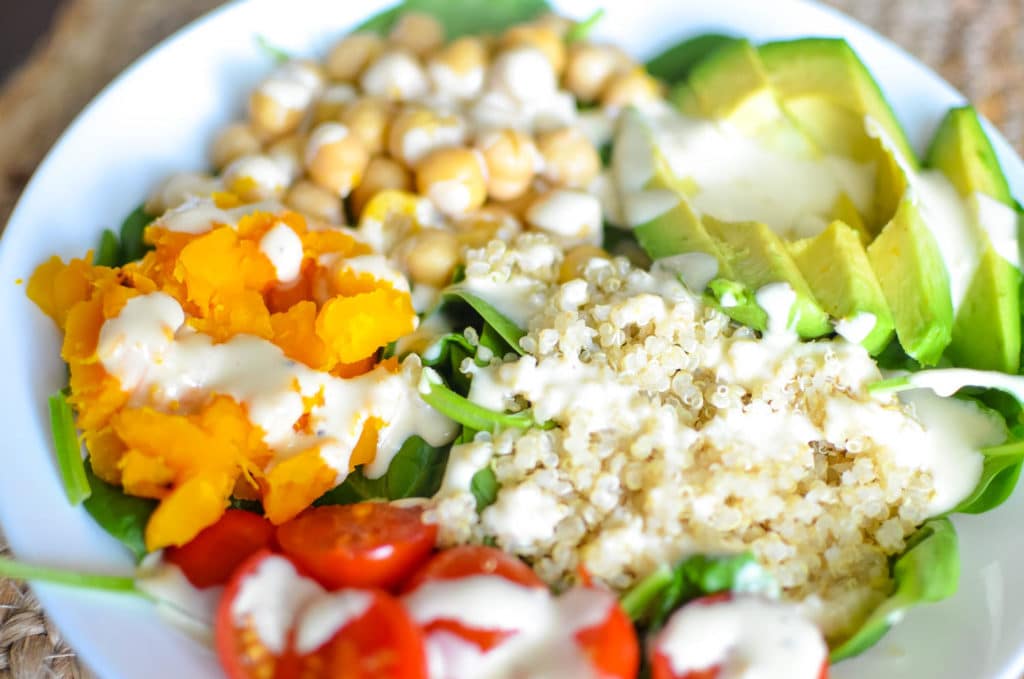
987, 328
829, 69
675, 63
677, 231
738, 302
845, 211
757, 257
909, 266
836, 267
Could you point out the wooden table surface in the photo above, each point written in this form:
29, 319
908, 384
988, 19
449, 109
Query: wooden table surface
978, 45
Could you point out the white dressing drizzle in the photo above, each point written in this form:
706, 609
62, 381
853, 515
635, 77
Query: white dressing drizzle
270, 600
857, 327
164, 363
283, 248
327, 615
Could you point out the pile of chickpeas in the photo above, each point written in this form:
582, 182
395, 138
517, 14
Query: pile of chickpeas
488, 128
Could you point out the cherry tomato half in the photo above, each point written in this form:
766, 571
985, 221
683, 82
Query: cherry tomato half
213, 555
661, 666
381, 643
461, 562
369, 544
612, 646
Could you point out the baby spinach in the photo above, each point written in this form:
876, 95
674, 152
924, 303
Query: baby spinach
652, 600
582, 30
505, 327
109, 251
484, 486
926, 572
494, 342
461, 17
675, 63
459, 408
415, 471
999, 474
133, 246
123, 516
69, 450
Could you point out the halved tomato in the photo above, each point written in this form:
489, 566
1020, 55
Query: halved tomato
612, 646
213, 555
369, 544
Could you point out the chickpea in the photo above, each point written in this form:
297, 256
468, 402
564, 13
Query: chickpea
589, 69
576, 260
234, 141
630, 88
418, 32
288, 153
351, 55
396, 76
524, 73
518, 206
332, 102
255, 177
314, 201
538, 36
368, 119
335, 158
416, 131
382, 173
178, 188
570, 217
569, 157
488, 223
453, 179
430, 256
279, 103
511, 159
458, 70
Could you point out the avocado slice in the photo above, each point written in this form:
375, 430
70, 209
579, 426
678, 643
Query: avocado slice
758, 257
909, 266
987, 327
836, 267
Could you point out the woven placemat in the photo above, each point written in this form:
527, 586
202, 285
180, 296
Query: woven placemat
978, 45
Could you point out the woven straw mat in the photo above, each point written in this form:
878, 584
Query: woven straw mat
978, 45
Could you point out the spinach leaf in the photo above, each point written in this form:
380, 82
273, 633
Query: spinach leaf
132, 245
657, 596
252, 506
109, 251
123, 516
508, 330
494, 342
415, 471
675, 63
439, 352
999, 475
484, 487
928, 571
442, 399
69, 450
15, 570
583, 29
461, 17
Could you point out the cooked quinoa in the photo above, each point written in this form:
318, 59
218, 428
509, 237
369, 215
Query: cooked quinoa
680, 433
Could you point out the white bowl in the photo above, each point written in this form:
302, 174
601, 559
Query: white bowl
158, 117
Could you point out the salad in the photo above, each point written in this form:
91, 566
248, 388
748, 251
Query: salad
485, 350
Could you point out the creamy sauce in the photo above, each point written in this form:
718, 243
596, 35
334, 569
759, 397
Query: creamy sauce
573, 217
777, 300
199, 215
417, 142
283, 248
695, 270
543, 626
856, 328
325, 134
747, 638
397, 76
164, 363
270, 600
189, 609
465, 85
948, 381
1001, 223
327, 615
267, 175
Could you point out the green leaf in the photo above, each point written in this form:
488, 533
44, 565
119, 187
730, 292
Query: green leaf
459, 408
461, 17
928, 571
999, 475
493, 341
415, 471
15, 570
439, 351
656, 597
69, 451
109, 251
123, 516
509, 331
484, 486
132, 229
273, 51
583, 29
675, 63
